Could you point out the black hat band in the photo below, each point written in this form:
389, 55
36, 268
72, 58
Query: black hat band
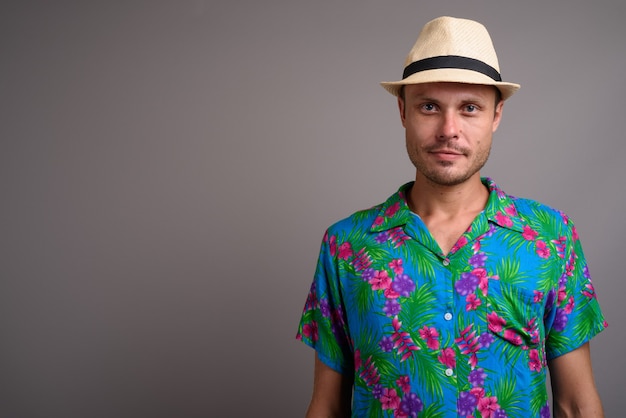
451, 61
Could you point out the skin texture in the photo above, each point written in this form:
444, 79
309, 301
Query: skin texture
449, 129
573, 387
332, 393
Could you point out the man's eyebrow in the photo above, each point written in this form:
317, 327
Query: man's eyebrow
473, 98
424, 98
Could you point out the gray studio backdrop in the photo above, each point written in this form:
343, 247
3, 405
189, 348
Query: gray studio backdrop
168, 168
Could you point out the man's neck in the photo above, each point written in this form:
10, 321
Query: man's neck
447, 211
428, 199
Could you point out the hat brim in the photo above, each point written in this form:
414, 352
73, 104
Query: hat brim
450, 75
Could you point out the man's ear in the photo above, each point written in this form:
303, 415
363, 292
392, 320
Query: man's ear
497, 117
402, 110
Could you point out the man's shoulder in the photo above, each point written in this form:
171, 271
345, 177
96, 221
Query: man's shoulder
365, 219
534, 211
362, 219
525, 207
532, 207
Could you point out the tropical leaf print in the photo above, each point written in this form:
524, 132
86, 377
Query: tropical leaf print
466, 334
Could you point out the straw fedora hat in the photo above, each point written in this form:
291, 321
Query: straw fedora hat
452, 50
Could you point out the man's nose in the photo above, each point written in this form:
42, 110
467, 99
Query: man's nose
449, 126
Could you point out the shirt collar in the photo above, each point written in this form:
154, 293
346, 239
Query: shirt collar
500, 209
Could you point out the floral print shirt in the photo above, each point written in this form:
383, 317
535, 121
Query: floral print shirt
466, 334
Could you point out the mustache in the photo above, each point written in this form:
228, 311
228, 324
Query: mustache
447, 148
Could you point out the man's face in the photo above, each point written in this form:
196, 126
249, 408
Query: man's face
449, 127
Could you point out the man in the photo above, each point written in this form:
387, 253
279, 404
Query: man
452, 298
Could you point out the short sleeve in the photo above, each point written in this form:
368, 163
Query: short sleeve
323, 323
578, 317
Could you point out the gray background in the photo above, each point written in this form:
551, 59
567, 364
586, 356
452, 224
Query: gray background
168, 169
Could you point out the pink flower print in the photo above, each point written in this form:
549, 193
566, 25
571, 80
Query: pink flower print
404, 383
478, 392
362, 261
379, 221
483, 284
357, 359
390, 399
570, 305
488, 406
476, 246
534, 363
574, 234
310, 331
381, 280
561, 245
462, 242
469, 343
399, 413
402, 340
538, 296
391, 294
503, 219
529, 234
396, 266
391, 210
511, 210
483, 280
589, 291
345, 251
562, 294
495, 322
472, 302
370, 374
570, 265
513, 337
532, 330
332, 244
431, 336
480, 272
398, 237
447, 357
542, 249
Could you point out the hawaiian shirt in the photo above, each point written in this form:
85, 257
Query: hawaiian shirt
463, 334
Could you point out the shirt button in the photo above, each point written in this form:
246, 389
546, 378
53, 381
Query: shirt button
446, 262
449, 372
447, 316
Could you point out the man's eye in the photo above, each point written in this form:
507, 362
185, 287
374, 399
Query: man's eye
470, 108
429, 107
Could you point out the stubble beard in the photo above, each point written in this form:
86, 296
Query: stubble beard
443, 173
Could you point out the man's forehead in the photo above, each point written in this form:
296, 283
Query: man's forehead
446, 89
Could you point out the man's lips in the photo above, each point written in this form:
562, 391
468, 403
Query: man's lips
447, 154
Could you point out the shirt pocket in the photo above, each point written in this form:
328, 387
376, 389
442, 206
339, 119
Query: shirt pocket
513, 315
